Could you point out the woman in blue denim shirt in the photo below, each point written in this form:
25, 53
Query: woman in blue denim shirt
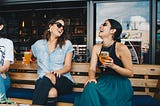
54, 58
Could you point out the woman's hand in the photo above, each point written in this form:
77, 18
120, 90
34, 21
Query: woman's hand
89, 81
56, 73
108, 62
51, 77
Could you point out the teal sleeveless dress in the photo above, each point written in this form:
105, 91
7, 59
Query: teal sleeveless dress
111, 88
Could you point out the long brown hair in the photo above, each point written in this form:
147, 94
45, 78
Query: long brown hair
46, 35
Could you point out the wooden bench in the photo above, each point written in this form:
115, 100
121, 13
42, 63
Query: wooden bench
144, 81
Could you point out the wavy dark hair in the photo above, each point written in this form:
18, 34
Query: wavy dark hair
3, 32
116, 25
46, 35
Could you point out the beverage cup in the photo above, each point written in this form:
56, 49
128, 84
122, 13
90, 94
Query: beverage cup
107, 55
104, 55
27, 57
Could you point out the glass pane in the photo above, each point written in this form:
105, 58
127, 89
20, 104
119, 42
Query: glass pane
158, 35
26, 24
134, 17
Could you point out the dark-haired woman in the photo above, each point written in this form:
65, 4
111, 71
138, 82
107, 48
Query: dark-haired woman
54, 56
112, 88
6, 58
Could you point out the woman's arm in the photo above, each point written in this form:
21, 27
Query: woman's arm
124, 54
67, 65
5, 66
93, 63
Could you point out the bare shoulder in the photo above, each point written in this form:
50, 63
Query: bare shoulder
122, 50
121, 47
96, 48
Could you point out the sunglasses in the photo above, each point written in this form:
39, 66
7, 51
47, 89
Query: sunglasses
59, 25
104, 24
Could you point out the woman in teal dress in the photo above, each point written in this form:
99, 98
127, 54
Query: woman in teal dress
112, 87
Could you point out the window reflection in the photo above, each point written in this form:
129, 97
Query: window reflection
134, 17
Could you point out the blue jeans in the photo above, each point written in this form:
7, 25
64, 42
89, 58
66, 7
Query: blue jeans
4, 85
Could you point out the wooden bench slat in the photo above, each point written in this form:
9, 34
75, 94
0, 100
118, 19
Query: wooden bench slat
80, 79
78, 89
23, 76
80, 67
151, 83
146, 69
19, 101
154, 71
138, 82
23, 86
143, 93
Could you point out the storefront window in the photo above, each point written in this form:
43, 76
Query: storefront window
27, 22
134, 17
158, 34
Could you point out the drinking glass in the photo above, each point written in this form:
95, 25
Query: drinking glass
27, 56
104, 55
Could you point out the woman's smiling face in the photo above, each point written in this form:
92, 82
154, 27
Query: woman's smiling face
57, 28
105, 29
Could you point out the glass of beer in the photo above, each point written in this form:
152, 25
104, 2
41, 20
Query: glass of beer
27, 57
104, 55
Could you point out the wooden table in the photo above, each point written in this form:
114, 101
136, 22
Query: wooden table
21, 66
